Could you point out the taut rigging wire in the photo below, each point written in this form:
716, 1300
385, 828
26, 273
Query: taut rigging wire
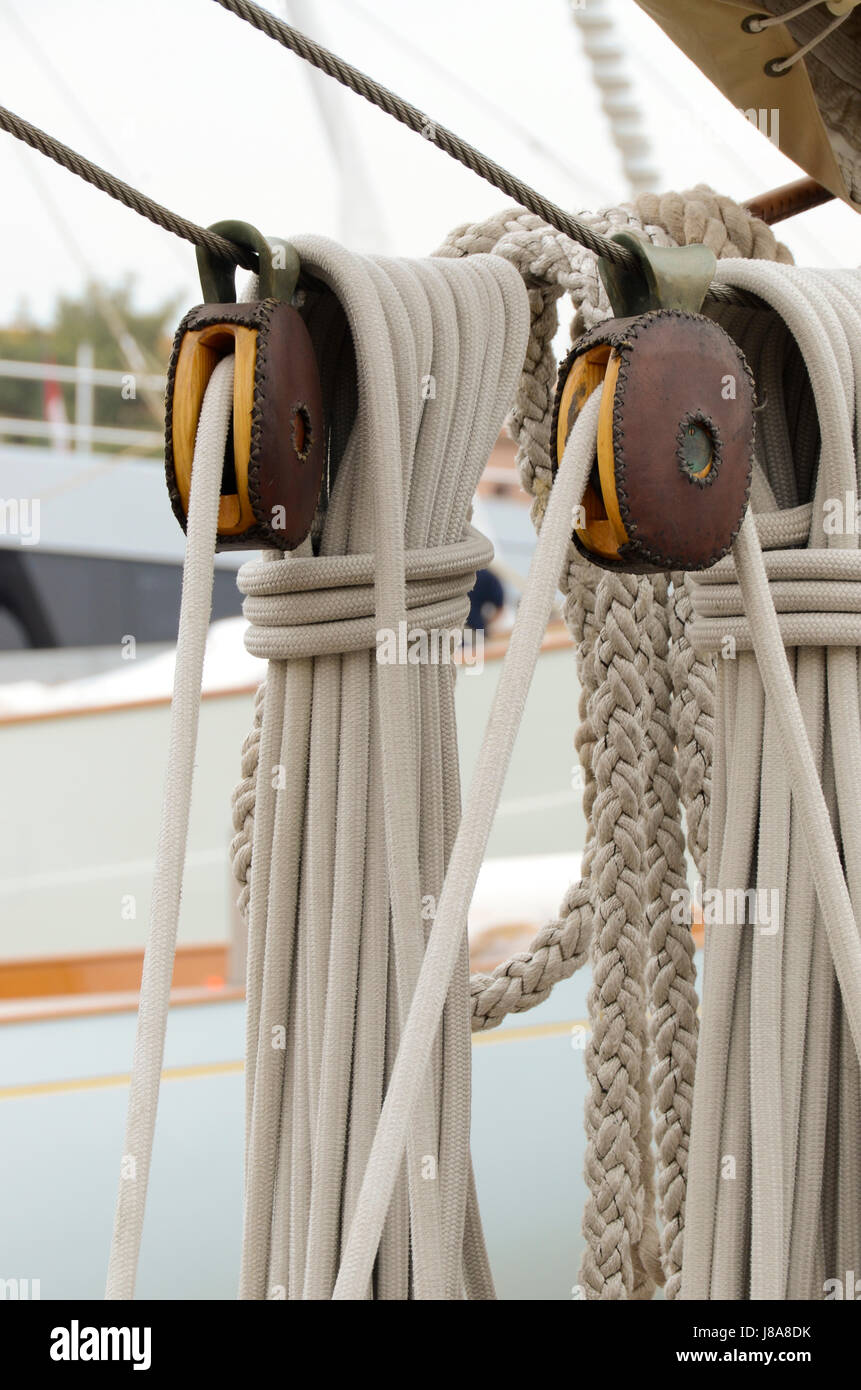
372, 91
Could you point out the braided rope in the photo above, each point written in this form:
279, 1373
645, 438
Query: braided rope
692, 713
705, 217
649, 1250
670, 971
616, 1053
242, 804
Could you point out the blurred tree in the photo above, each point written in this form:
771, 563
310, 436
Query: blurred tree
96, 317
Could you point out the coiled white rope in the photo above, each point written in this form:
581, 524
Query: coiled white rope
320, 947
773, 1195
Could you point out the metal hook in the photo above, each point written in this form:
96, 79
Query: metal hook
666, 277
218, 277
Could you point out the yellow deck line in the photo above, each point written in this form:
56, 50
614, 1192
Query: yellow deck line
101, 1083
205, 1069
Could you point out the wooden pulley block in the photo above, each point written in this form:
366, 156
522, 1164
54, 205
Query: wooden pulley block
670, 484
276, 447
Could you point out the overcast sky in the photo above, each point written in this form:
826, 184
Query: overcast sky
215, 120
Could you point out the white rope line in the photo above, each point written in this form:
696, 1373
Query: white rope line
785, 64
173, 834
756, 24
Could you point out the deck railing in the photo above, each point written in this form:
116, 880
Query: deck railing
81, 431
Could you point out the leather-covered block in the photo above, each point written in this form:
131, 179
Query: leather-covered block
270, 493
675, 440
